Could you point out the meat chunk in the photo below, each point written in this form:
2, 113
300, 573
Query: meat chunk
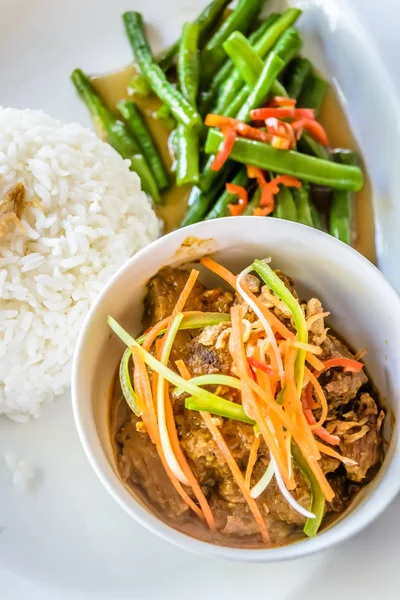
362, 442
164, 289
201, 359
340, 387
139, 463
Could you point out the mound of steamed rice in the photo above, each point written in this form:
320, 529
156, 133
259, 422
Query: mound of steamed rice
88, 216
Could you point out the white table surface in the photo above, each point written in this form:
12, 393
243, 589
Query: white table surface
367, 566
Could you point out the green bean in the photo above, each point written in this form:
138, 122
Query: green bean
313, 94
187, 164
241, 19
298, 71
220, 208
180, 107
259, 94
285, 207
134, 119
301, 197
342, 202
289, 162
288, 45
308, 145
200, 202
262, 46
208, 97
316, 217
187, 168
254, 203
188, 62
115, 132
248, 63
206, 20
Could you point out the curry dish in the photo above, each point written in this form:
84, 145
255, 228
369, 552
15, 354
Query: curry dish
229, 467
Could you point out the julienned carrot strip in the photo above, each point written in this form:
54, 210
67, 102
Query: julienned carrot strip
151, 424
218, 269
226, 453
321, 397
182, 368
265, 383
314, 362
257, 414
330, 452
231, 279
142, 385
311, 348
252, 461
183, 297
173, 436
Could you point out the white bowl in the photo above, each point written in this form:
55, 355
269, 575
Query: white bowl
365, 311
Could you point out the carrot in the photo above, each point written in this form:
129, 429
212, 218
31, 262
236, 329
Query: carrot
330, 452
142, 384
231, 279
321, 397
218, 269
226, 453
314, 362
141, 376
239, 356
252, 461
173, 436
183, 370
321, 432
311, 348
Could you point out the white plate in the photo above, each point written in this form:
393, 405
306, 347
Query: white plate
65, 538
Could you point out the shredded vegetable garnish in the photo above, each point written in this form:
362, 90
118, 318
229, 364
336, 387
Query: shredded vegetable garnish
268, 329
212, 379
279, 288
274, 392
161, 411
126, 385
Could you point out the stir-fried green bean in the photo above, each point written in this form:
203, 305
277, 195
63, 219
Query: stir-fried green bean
285, 207
259, 94
254, 203
262, 46
342, 202
180, 107
200, 202
301, 198
241, 19
135, 122
115, 131
206, 21
289, 162
313, 93
187, 168
298, 71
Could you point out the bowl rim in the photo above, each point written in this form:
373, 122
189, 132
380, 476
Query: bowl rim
368, 510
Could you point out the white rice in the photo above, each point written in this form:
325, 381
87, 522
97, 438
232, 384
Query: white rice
94, 217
